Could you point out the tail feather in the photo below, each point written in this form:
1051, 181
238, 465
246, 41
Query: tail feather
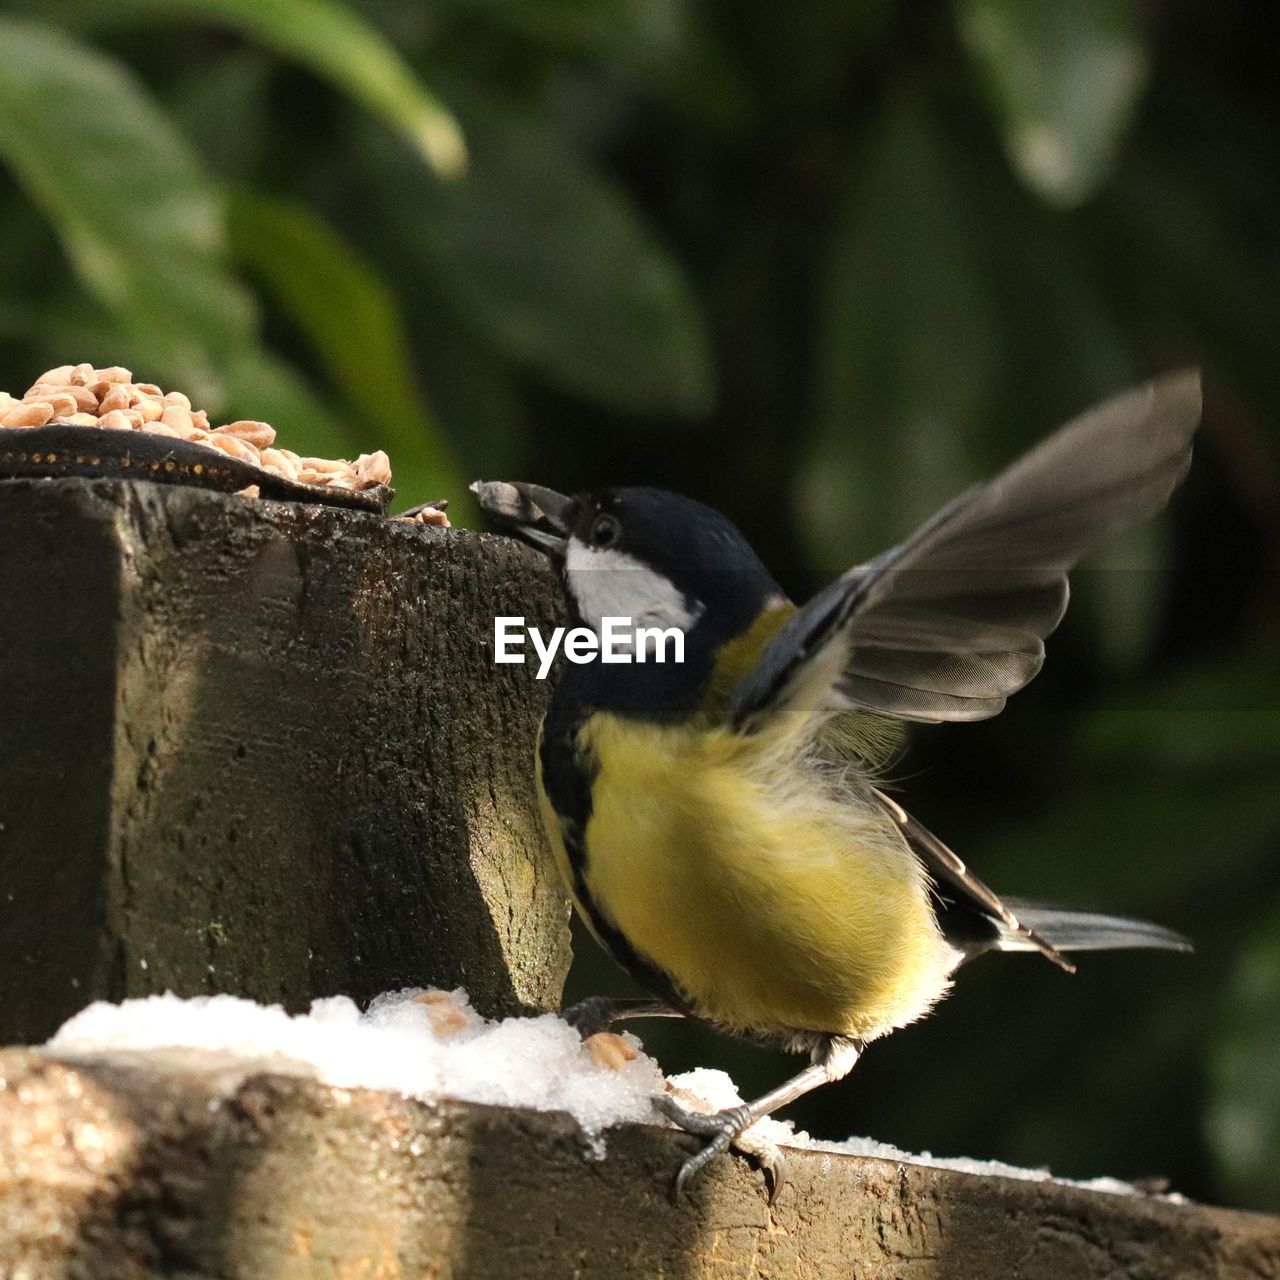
1069, 930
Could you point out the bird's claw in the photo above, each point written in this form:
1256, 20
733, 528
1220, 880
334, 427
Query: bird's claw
724, 1129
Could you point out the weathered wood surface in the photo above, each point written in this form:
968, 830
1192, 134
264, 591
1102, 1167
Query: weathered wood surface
262, 748
134, 1169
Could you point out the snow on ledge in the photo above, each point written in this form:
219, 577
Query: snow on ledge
420, 1044
430, 1045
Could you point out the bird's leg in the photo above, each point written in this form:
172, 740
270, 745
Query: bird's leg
599, 1013
833, 1060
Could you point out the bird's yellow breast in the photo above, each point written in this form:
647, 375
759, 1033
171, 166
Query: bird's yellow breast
771, 898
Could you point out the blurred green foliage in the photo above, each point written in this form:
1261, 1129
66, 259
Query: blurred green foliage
821, 265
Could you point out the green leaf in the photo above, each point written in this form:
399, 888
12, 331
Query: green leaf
551, 265
135, 213
335, 43
664, 47
1194, 281
908, 357
225, 111
1168, 790
1243, 1118
472, 390
625, 31
1063, 79
349, 317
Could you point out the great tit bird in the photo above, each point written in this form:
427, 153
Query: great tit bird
718, 821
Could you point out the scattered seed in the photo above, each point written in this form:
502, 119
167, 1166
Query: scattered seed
609, 1050
445, 1017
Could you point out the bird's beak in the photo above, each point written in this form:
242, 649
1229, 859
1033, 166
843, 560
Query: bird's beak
541, 517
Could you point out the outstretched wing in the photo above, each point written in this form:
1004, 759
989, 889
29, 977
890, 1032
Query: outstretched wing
946, 625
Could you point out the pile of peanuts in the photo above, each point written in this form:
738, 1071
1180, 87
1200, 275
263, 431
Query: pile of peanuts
80, 395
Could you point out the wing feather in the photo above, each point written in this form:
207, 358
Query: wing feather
954, 881
952, 621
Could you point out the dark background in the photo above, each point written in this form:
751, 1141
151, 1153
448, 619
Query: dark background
818, 264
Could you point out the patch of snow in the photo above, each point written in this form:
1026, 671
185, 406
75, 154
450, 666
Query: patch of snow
402, 1044
708, 1090
431, 1045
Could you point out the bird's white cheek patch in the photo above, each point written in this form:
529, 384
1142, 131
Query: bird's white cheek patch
607, 583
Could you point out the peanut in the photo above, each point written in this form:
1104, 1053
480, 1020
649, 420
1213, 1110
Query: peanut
373, 468
432, 516
58, 377
116, 397
609, 1050
445, 1017
275, 461
28, 415
151, 408
115, 420
233, 445
63, 405
176, 417
258, 434
334, 466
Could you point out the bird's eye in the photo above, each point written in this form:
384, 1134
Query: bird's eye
605, 532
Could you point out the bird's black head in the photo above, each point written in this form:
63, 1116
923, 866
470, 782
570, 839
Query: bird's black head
656, 558
661, 558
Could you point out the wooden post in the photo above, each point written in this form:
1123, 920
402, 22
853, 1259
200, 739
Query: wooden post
262, 748
142, 1169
